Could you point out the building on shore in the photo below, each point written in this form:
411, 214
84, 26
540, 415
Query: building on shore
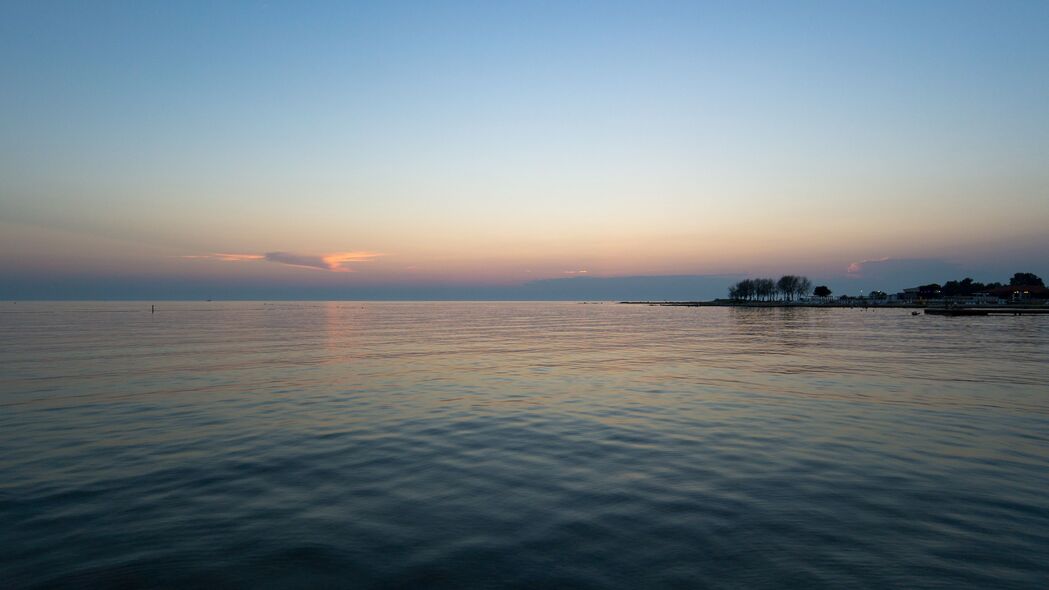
924, 292
1018, 293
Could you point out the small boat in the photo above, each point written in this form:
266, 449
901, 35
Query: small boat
914, 313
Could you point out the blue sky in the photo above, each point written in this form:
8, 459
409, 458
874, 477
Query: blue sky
496, 144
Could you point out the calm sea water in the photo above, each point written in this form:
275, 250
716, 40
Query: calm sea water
492, 445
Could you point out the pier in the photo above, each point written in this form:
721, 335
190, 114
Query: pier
985, 311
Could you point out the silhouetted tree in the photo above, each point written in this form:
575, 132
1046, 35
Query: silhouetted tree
955, 287
802, 286
1026, 279
822, 291
743, 290
792, 286
967, 286
749, 289
766, 288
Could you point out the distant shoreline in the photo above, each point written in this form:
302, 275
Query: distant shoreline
718, 303
828, 304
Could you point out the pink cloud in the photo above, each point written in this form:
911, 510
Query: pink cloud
857, 267
332, 262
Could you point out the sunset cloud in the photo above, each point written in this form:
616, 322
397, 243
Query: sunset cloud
857, 267
226, 257
332, 262
239, 257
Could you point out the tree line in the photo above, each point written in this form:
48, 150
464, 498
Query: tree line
787, 288
791, 287
967, 286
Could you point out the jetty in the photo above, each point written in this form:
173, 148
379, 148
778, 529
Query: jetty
978, 311
917, 308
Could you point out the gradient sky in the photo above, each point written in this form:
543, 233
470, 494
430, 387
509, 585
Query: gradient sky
377, 145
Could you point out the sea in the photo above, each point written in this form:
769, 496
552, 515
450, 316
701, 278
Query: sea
520, 445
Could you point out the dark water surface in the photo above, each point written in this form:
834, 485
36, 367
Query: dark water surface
454, 445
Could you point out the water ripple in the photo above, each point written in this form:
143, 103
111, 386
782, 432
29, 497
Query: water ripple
499, 445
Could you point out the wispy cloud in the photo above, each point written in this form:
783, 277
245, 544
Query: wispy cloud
856, 268
226, 257
332, 262
576, 272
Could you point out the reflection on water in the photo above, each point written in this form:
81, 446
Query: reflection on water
520, 444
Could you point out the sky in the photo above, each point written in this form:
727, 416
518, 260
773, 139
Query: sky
507, 149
